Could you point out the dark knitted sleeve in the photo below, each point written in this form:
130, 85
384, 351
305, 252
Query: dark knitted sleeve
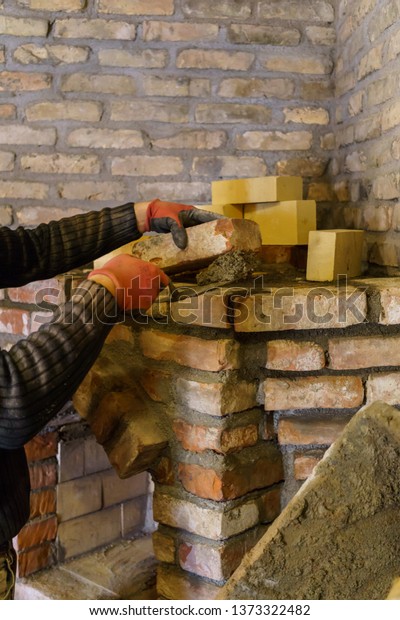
57, 247
39, 374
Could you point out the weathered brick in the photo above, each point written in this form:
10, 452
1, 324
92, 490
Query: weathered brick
205, 243
6, 161
214, 523
192, 139
19, 81
42, 502
296, 64
387, 186
304, 167
216, 399
23, 26
35, 559
41, 447
178, 31
92, 190
71, 460
175, 584
149, 59
229, 166
300, 308
94, 29
67, 6
157, 384
214, 59
391, 116
304, 464
32, 216
233, 482
190, 192
393, 46
133, 516
61, 163
137, 7
307, 116
197, 438
14, 321
90, 531
20, 134
7, 111
387, 15
164, 547
144, 165
30, 53
381, 90
155, 85
37, 532
275, 140
263, 35
79, 497
212, 561
384, 387
117, 491
317, 90
107, 84
97, 138
43, 475
321, 35
291, 355
310, 431
281, 88
313, 392
214, 355
224, 9
153, 111
64, 110
371, 62
317, 11
232, 113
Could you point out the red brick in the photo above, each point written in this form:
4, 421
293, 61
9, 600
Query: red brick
207, 310
291, 355
35, 559
217, 399
34, 292
313, 392
270, 505
309, 431
42, 503
198, 438
214, 355
364, 352
43, 475
41, 447
37, 532
304, 465
15, 321
206, 243
233, 482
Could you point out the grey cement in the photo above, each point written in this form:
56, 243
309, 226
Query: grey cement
338, 538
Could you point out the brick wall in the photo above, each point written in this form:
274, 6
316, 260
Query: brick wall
366, 163
131, 99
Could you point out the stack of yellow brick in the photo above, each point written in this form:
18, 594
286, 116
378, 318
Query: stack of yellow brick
285, 219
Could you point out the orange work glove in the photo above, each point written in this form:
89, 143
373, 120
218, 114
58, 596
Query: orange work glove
174, 218
137, 283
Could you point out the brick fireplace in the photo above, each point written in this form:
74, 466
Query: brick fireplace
162, 103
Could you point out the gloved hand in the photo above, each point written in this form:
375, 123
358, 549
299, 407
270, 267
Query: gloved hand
137, 283
174, 218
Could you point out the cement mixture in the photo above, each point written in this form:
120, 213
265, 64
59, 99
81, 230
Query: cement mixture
338, 539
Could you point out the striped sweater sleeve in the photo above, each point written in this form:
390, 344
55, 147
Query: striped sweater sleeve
39, 374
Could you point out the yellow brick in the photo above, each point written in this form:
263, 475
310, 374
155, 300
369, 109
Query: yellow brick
283, 223
334, 252
235, 211
257, 189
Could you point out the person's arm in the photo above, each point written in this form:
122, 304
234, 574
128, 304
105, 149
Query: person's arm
57, 247
40, 374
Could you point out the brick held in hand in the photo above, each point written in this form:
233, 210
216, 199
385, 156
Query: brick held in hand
205, 243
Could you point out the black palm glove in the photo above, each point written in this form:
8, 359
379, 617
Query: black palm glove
164, 217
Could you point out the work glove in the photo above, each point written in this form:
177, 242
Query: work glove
173, 217
137, 282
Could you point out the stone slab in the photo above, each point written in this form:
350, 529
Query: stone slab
337, 539
205, 243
